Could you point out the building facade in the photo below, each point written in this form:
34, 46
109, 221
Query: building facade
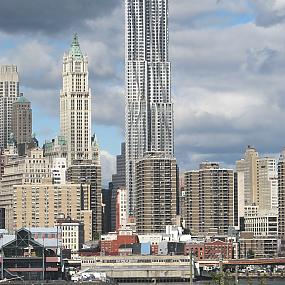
263, 223
267, 183
75, 104
248, 166
281, 200
9, 92
40, 204
149, 109
156, 192
72, 233
58, 170
22, 121
209, 193
118, 181
121, 208
87, 172
20, 171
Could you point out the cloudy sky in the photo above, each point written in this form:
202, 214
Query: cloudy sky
228, 66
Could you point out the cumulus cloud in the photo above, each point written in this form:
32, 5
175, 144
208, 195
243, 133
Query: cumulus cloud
228, 60
269, 12
52, 17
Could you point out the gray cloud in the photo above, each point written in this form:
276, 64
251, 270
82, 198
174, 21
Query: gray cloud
228, 83
52, 16
269, 12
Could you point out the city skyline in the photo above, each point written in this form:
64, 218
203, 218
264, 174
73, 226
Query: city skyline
221, 96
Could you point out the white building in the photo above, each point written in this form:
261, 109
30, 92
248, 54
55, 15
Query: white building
121, 209
9, 92
149, 108
264, 223
72, 233
75, 104
58, 170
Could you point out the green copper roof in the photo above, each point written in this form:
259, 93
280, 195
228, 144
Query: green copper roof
75, 50
22, 99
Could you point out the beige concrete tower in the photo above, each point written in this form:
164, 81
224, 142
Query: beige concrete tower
248, 166
75, 104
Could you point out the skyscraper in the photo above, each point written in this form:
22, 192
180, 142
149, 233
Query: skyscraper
248, 165
149, 109
75, 104
118, 181
260, 183
22, 123
9, 92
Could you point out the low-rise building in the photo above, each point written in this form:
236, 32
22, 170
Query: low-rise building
257, 246
264, 223
24, 256
72, 232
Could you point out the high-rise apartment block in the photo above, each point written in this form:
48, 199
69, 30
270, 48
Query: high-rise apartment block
156, 188
87, 172
9, 92
209, 196
22, 121
149, 109
75, 104
281, 200
40, 204
28, 170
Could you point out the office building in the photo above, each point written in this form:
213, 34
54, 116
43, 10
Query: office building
58, 170
209, 194
87, 172
56, 148
106, 210
264, 223
248, 166
75, 104
121, 209
149, 109
22, 122
257, 184
118, 181
267, 183
156, 192
9, 92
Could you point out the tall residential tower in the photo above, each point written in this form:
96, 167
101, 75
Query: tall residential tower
149, 109
75, 104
